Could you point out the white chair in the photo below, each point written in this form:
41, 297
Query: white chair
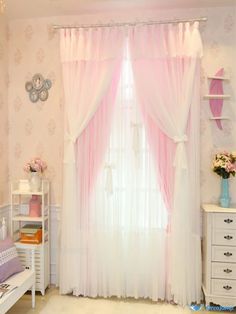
24, 281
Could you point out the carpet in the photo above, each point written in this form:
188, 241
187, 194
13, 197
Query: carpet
75, 305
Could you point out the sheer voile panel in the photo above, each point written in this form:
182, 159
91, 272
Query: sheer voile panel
123, 228
90, 68
132, 228
167, 84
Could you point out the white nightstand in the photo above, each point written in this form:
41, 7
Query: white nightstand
219, 255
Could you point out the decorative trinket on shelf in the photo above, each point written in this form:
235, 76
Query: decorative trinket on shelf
35, 206
38, 88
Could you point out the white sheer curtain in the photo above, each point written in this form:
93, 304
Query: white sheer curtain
167, 76
116, 240
124, 243
90, 67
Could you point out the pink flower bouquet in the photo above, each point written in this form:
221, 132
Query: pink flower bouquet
224, 164
35, 165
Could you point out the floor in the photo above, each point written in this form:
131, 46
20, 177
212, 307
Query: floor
23, 306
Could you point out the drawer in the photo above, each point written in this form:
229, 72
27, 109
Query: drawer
223, 270
224, 237
224, 221
223, 254
223, 287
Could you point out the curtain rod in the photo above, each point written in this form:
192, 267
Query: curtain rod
200, 19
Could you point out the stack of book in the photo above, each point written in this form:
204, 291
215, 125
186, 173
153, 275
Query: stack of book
31, 233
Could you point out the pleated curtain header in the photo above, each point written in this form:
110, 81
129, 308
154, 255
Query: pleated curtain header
162, 40
85, 43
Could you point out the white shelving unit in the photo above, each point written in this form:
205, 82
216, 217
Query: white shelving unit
218, 96
19, 216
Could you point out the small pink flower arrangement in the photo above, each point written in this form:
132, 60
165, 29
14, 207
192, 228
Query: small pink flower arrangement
35, 165
224, 164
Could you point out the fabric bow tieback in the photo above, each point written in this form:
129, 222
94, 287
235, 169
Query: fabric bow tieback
180, 160
180, 139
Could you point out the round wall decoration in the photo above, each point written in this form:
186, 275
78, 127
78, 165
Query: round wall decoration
37, 81
43, 95
38, 88
34, 96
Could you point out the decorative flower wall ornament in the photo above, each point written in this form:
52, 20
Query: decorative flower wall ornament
38, 88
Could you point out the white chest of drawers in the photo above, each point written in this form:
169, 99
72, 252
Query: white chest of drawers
219, 255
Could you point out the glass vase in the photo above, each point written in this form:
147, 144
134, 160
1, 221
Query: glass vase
224, 197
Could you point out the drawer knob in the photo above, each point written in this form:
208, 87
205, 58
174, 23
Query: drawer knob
228, 221
228, 237
228, 254
228, 271
227, 287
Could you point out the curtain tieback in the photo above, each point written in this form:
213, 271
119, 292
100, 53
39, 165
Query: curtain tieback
69, 155
180, 160
180, 139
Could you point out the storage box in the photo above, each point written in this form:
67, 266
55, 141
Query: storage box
31, 234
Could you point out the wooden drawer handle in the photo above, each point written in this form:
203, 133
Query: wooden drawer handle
228, 221
228, 237
228, 271
227, 287
228, 254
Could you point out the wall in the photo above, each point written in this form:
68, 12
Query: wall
37, 129
4, 124
220, 46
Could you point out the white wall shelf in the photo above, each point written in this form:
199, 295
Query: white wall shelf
216, 96
223, 78
219, 118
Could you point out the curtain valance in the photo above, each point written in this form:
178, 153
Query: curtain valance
91, 44
166, 40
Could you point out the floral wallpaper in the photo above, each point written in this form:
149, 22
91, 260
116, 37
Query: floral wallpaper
37, 129
4, 121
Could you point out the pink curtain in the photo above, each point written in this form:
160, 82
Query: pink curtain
165, 61
90, 67
92, 143
163, 149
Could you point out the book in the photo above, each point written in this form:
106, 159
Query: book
6, 288
30, 228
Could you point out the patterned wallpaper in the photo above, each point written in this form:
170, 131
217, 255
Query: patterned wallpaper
37, 129
4, 123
